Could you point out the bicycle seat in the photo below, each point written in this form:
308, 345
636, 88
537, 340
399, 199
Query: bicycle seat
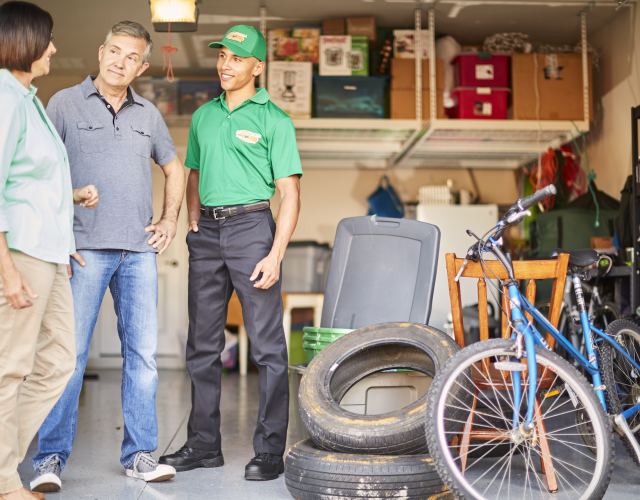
578, 258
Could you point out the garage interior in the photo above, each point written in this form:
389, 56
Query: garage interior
479, 168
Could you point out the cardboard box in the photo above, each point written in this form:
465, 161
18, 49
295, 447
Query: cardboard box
403, 74
404, 42
363, 26
298, 45
559, 78
289, 85
602, 244
403, 104
332, 27
344, 56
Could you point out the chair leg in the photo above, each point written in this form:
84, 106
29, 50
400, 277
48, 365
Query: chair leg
466, 434
545, 455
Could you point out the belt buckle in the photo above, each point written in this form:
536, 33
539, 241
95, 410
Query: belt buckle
215, 216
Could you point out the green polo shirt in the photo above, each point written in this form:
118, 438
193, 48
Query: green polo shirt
241, 153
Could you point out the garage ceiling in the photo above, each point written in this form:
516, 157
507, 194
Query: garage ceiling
80, 25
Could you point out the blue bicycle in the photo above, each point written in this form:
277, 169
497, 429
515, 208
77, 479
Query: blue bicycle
547, 422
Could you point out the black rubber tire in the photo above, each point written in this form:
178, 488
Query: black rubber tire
608, 310
605, 361
436, 390
314, 474
346, 361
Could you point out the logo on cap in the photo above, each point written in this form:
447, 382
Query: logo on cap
237, 36
246, 136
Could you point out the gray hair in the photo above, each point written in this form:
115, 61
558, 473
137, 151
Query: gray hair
130, 28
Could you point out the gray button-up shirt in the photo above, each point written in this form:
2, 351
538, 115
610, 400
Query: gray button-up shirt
113, 153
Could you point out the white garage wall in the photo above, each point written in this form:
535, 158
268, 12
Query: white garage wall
616, 90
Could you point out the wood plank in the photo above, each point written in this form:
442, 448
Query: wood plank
466, 434
234, 311
545, 454
455, 298
557, 294
531, 297
483, 314
506, 313
523, 269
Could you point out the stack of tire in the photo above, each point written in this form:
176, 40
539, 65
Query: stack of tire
350, 456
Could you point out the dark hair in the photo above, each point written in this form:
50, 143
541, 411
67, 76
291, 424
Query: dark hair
25, 33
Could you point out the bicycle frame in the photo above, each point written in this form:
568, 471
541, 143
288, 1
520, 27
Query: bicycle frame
532, 337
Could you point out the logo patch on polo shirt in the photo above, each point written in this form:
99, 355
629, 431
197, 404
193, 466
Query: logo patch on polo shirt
237, 36
246, 136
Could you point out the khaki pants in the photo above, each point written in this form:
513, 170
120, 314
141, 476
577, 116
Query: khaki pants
37, 358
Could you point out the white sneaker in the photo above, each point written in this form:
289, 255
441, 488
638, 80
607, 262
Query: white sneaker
146, 468
47, 476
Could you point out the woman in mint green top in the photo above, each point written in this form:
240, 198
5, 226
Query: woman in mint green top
37, 342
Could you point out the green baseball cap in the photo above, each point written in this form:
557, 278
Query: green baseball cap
244, 41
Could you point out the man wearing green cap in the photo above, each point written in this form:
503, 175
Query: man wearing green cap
241, 148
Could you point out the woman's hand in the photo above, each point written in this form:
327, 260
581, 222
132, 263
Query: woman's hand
86, 196
14, 286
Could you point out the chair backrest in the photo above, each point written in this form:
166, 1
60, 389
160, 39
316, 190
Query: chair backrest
531, 270
382, 270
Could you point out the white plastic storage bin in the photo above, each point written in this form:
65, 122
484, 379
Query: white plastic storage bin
386, 392
305, 267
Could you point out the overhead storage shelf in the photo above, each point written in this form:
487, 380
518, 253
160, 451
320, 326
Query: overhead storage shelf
349, 143
429, 142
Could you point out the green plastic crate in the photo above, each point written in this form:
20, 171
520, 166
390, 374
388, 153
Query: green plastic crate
315, 339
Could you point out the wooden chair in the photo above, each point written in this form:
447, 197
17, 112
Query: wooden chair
523, 270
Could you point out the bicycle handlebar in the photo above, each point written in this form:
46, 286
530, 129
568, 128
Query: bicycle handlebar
537, 197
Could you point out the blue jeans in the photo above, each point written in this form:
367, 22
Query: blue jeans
132, 278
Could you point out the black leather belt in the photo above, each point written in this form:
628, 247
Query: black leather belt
219, 213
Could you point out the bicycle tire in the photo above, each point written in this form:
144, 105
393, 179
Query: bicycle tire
606, 313
314, 474
616, 402
581, 392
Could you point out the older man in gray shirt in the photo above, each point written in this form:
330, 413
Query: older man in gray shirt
111, 134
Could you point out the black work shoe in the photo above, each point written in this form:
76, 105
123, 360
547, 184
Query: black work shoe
189, 458
264, 467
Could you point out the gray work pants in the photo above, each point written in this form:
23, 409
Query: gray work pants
222, 256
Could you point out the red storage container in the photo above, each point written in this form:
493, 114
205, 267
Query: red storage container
481, 70
480, 103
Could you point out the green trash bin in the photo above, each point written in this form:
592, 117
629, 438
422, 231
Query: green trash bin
315, 339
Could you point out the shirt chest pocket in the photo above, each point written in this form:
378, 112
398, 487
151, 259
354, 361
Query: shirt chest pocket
93, 137
141, 141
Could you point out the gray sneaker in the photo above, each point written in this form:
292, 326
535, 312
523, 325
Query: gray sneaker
146, 468
47, 477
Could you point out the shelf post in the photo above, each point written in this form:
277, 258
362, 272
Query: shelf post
433, 95
418, 58
585, 67
263, 30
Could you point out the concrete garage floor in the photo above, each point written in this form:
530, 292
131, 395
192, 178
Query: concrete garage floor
94, 471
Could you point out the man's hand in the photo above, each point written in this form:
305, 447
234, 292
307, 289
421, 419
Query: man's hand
80, 260
270, 269
193, 225
15, 286
165, 231
86, 196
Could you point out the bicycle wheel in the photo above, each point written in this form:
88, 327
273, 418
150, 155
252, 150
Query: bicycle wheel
605, 314
621, 379
581, 465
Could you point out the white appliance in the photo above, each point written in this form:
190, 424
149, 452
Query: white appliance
453, 221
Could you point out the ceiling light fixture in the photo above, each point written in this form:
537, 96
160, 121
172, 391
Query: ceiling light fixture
178, 15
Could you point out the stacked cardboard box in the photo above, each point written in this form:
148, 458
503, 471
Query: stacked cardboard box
403, 89
559, 81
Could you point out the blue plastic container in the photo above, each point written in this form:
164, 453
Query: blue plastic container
350, 96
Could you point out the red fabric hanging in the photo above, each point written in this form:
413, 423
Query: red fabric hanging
168, 49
